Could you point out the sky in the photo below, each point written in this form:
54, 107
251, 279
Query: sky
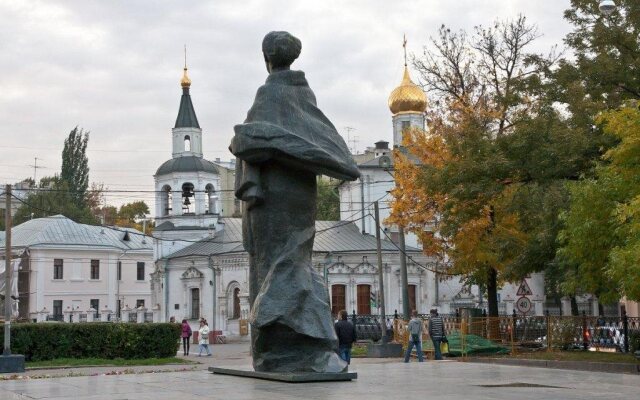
113, 68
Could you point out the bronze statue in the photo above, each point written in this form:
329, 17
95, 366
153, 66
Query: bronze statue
283, 144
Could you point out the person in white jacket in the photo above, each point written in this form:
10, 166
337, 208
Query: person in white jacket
203, 339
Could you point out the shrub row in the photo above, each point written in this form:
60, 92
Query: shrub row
47, 341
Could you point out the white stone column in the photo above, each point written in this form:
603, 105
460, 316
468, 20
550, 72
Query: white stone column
157, 312
566, 306
76, 314
42, 314
595, 308
125, 313
104, 314
91, 312
68, 314
140, 311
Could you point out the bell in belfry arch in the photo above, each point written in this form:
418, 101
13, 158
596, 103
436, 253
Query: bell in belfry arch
607, 6
186, 201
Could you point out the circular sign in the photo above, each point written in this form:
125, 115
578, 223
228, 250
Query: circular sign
523, 305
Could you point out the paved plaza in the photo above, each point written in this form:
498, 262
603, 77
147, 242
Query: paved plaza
377, 379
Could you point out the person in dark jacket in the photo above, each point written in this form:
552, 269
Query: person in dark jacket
436, 331
186, 336
346, 333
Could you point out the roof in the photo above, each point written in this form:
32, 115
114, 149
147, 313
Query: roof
187, 164
169, 226
59, 230
375, 163
331, 236
186, 114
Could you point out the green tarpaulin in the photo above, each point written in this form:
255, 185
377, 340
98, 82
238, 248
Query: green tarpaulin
473, 344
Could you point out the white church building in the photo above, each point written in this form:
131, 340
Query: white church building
202, 268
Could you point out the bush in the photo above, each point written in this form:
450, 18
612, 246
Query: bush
47, 341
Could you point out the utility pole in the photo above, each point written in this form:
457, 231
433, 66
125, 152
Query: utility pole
7, 272
362, 202
403, 275
8, 362
383, 321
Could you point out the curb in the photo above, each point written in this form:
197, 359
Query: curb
570, 365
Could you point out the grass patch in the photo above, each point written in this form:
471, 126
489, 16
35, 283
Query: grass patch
118, 362
359, 350
586, 356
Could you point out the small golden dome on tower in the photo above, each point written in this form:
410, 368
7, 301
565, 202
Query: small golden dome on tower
185, 82
408, 97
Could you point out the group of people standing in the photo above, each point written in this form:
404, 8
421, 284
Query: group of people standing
346, 332
203, 337
436, 332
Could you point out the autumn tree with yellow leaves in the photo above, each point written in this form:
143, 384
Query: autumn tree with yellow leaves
482, 188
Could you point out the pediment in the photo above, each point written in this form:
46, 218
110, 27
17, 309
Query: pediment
192, 273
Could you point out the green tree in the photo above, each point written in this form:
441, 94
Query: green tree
53, 197
601, 238
75, 166
484, 164
328, 201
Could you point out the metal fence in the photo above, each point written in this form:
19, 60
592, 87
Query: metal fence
548, 332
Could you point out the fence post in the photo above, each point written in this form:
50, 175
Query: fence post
513, 328
548, 319
625, 330
585, 339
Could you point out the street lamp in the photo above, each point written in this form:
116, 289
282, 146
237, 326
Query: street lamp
607, 6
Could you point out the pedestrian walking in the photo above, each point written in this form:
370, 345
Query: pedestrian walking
203, 340
436, 332
346, 333
415, 339
186, 337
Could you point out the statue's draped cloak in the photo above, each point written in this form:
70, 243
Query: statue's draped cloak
284, 142
286, 125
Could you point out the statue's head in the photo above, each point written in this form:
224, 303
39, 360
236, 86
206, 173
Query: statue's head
280, 49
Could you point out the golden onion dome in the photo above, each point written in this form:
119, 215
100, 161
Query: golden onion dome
185, 82
408, 97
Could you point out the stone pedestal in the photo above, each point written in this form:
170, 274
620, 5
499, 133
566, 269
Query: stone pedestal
566, 306
11, 364
140, 311
76, 315
104, 314
91, 314
125, 314
156, 313
384, 350
68, 315
290, 377
42, 315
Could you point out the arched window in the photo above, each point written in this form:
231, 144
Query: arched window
210, 206
165, 200
236, 303
187, 143
188, 198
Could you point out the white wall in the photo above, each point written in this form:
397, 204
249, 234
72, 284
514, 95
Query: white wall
77, 285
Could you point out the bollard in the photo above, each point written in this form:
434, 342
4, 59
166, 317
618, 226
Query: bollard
585, 339
625, 330
548, 319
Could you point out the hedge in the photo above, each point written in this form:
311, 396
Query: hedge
47, 341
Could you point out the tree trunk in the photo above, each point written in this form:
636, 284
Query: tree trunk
492, 291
